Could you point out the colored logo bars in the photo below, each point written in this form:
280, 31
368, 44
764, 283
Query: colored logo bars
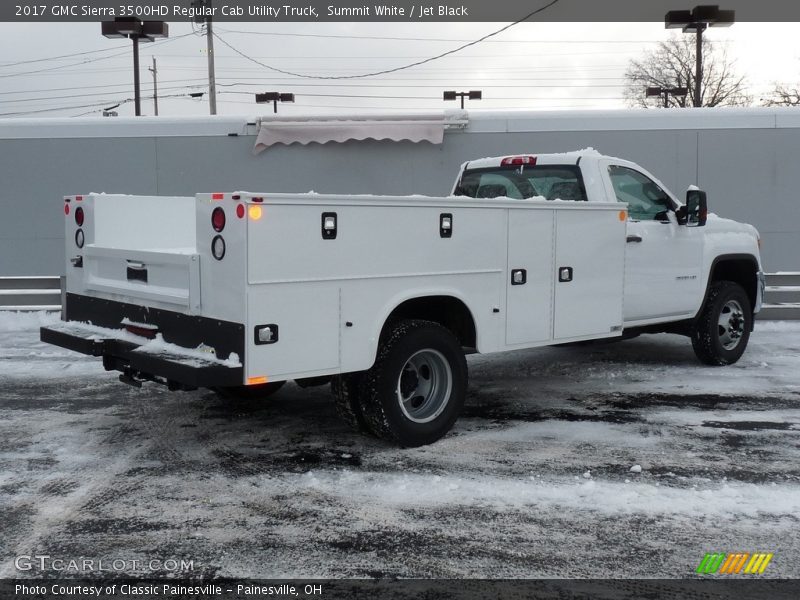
734, 564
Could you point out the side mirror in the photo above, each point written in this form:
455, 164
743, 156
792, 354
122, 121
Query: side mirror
696, 208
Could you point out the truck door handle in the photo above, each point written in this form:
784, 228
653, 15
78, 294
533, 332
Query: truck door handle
136, 271
633, 238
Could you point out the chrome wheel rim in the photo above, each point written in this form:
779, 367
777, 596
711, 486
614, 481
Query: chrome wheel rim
424, 386
730, 326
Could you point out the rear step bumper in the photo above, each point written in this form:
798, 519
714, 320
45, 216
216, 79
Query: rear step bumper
171, 369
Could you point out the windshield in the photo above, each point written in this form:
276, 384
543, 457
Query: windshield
552, 182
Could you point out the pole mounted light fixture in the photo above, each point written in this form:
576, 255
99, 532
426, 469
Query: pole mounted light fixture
698, 20
452, 95
274, 97
666, 93
136, 31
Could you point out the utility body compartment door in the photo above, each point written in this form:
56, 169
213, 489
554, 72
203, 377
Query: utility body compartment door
589, 273
529, 309
565, 273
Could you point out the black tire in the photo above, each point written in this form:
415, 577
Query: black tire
722, 330
345, 390
421, 360
260, 391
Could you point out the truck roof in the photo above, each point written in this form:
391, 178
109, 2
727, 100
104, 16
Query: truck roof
560, 158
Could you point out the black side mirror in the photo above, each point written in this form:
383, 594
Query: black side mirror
696, 208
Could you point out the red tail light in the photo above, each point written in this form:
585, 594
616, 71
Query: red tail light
240, 210
518, 160
79, 217
218, 219
146, 332
66, 208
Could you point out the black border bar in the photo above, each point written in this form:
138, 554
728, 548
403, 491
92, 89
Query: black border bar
740, 588
398, 11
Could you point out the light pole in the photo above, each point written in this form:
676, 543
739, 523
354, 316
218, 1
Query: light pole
136, 30
473, 95
666, 93
698, 20
274, 97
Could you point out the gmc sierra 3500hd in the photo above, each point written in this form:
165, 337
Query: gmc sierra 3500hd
383, 296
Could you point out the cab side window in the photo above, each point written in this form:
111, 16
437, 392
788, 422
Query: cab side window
646, 200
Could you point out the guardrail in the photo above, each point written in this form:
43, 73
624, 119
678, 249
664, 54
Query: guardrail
782, 297
30, 293
781, 300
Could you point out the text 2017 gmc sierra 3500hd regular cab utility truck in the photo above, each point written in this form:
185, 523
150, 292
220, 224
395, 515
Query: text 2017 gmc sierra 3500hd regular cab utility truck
383, 296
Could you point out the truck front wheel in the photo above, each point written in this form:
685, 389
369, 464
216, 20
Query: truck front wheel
415, 391
722, 330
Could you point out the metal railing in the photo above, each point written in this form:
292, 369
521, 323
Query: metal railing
30, 293
781, 300
782, 297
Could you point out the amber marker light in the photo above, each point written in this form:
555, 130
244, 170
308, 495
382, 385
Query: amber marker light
255, 212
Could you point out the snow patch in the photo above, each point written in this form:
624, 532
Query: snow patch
27, 321
595, 495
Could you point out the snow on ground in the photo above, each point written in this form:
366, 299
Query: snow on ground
607, 460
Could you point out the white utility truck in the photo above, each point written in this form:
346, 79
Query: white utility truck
384, 296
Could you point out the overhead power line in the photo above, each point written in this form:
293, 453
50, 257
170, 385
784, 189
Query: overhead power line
87, 61
48, 59
428, 39
73, 107
395, 69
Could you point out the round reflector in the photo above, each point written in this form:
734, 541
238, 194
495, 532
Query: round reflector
66, 209
218, 247
79, 217
79, 238
240, 210
218, 219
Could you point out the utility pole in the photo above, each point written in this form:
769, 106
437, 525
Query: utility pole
212, 80
154, 71
203, 16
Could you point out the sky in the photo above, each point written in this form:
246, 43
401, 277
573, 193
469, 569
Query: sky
531, 65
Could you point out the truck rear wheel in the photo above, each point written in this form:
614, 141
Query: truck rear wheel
415, 391
721, 332
346, 396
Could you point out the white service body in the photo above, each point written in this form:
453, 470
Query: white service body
329, 299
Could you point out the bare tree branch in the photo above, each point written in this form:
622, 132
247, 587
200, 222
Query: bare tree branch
672, 64
784, 95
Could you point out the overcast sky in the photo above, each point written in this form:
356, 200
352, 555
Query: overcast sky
546, 66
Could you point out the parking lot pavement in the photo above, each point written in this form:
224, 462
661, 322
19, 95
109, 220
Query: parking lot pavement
611, 460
